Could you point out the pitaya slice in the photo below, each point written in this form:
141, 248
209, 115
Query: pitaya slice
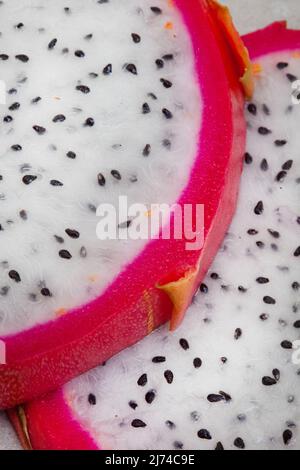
228, 377
106, 98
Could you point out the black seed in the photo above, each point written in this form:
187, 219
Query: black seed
150, 397
248, 158
59, 239
292, 78
213, 398
274, 233
286, 344
59, 118
39, 130
93, 75
297, 252
170, 424
7, 119
131, 68
214, 276
52, 44
266, 110
14, 275
65, 254
67, 10
297, 324
239, 443
287, 436
92, 399
287, 165
136, 38
219, 446
268, 381
178, 445
83, 252
252, 231
147, 150
4, 57
264, 166
79, 53
168, 56
242, 289
22, 57
142, 380
84, 89
280, 143
92, 207
166, 83
281, 176
203, 288
167, 143
282, 65
238, 333
116, 174
36, 100
276, 374
260, 244
156, 10
133, 404
72, 233
159, 63
4, 291
12, 91
184, 344
264, 131
169, 376
264, 317
27, 179
252, 108
204, 434
146, 108
158, 359
197, 362
295, 285
101, 179
14, 107
262, 280
56, 183
138, 423
71, 154
269, 300
167, 113
152, 95
107, 69
23, 214
46, 292
259, 208
89, 122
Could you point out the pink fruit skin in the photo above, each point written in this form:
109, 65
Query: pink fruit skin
47, 356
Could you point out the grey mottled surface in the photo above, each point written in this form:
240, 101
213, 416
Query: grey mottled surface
249, 15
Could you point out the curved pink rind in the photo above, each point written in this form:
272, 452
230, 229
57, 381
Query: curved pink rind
55, 427
274, 38
45, 357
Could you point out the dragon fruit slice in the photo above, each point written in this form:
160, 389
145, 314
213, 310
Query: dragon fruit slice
141, 99
228, 378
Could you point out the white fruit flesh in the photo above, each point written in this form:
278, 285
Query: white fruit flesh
241, 327
152, 154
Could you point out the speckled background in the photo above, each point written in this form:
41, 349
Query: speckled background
248, 15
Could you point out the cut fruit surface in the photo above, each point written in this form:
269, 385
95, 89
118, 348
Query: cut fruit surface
228, 378
109, 100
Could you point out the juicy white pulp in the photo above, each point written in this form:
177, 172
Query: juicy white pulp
69, 44
238, 334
